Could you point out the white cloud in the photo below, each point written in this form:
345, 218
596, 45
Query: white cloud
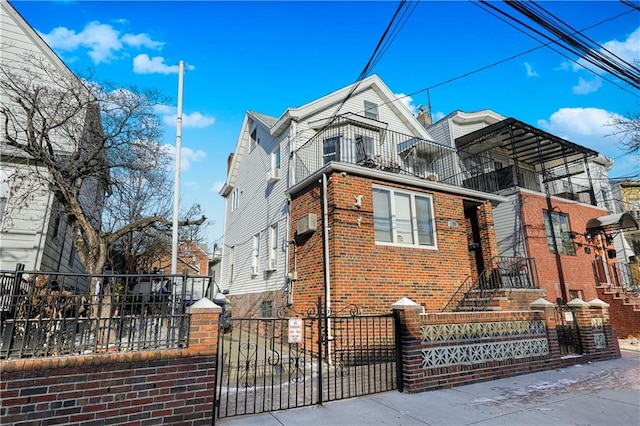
101, 40
217, 186
585, 87
187, 156
437, 116
407, 101
530, 71
142, 64
591, 127
195, 119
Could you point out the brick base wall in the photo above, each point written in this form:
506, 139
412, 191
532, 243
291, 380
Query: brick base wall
162, 387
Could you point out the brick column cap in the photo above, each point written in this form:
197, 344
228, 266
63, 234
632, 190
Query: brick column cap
204, 305
597, 303
577, 303
406, 304
541, 304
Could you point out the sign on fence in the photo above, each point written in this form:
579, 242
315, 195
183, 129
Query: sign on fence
295, 330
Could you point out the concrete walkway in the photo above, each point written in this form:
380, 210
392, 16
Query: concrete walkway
598, 393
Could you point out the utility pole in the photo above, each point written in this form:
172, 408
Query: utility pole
176, 184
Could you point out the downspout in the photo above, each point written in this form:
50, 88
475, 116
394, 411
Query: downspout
327, 270
290, 175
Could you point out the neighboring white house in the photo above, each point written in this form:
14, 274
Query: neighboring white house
273, 154
33, 229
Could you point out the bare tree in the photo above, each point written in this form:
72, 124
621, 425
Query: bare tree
80, 139
628, 129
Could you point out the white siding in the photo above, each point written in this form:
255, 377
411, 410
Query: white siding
261, 204
508, 228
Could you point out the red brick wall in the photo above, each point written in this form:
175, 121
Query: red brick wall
173, 386
375, 276
578, 272
416, 378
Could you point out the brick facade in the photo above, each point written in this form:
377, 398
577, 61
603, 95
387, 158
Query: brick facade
151, 387
577, 269
370, 275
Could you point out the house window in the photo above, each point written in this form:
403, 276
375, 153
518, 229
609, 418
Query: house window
254, 139
235, 199
273, 247
365, 154
232, 260
72, 256
370, 110
267, 309
331, 149
560, 230
575, 294
255, 255
276, 158
401, 217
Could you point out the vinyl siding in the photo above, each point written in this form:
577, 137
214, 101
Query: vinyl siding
508, 228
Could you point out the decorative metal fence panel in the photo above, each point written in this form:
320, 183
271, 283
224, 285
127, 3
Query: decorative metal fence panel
51, 314
567, 330
270, 364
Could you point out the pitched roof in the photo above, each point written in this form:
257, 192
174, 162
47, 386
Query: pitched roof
334, 99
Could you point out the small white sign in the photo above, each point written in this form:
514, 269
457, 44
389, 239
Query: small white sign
295, 330
568, 316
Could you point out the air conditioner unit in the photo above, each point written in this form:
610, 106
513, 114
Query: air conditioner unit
254, 270
273, 175
272, 264
307, 224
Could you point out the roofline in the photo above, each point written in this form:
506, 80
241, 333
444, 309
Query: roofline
396, 178
35, 37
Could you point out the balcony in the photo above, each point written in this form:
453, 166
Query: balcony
502, 156
368, 143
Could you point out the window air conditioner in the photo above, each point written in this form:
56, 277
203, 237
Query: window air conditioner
273, 175
272, 264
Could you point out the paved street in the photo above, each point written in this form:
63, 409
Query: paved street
598, 393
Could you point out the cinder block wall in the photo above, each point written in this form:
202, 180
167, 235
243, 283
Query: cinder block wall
150, 387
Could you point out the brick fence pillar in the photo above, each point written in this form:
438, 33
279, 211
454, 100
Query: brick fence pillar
407, 313
203, 327
547, 310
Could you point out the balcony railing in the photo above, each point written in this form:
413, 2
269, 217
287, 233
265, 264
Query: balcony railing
370, 144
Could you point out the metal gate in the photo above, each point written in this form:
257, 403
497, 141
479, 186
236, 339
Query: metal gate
567, 330
270, 364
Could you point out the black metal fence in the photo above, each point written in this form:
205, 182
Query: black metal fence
269, 364
567, 330
49, 314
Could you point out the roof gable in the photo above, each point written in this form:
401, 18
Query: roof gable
277, 126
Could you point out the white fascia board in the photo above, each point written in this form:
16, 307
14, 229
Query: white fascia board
485, 115
396, 178
238, 153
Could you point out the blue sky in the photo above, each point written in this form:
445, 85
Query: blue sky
268, 56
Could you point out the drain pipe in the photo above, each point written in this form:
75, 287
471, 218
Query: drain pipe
327, 270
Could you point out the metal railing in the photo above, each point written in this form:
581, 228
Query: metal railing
48, 314
368, 143
503, 272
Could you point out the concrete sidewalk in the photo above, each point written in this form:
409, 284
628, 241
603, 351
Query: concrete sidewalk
598, 393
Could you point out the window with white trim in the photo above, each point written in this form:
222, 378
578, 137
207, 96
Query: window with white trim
331, 149
255, 254
232, 261
235, 199
273, 247
403, 217
371, 110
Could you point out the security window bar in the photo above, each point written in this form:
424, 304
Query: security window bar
403, 218
560, 230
